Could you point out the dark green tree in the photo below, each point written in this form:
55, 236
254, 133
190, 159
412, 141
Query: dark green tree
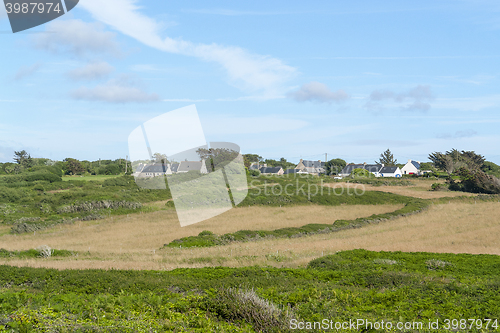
387, 159
23, 159
248, 159
454, 159
334, 166
73, 166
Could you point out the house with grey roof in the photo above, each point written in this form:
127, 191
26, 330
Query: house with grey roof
391, 171
272, 171
311, 167
373, 168
151, 170
411, 168
162, 169
256, 166
186, 166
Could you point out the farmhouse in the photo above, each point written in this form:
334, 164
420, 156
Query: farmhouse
411, 168
391, 171
161, 169
186, 166
311, 167
294, 171
272, 171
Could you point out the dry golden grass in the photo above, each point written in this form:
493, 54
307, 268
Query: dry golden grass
455, 228
421, 189
141, 233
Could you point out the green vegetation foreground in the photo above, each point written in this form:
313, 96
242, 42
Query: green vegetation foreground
350, 285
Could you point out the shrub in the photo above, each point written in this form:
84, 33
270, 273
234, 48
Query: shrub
433, 264
254, 173
44, 251
48, 176
361, 173
439, 187
236, 305
8, 194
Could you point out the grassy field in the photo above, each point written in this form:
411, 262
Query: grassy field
223, 288
443, 228
91, 177
407, 289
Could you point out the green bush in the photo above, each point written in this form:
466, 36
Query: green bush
47, 176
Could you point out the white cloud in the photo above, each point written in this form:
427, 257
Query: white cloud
247, 71
77, 37
318, 92
120, 90
415, 99
92, 71
26, 71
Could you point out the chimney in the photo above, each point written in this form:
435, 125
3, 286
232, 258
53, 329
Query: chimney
409, 161
364, 163
301, 160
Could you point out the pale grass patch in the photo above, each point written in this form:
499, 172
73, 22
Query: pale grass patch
142, 233
421, 189
447, 228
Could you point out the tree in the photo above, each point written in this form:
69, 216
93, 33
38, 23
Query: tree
248, 159
387, 158
454, 159
334, 166
73, 166
160, 158
491, 168
23, 159
427, 166
217, 158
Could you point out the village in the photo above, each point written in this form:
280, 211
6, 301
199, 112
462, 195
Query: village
304, 167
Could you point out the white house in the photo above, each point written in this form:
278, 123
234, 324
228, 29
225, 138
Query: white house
391, 171
411, 168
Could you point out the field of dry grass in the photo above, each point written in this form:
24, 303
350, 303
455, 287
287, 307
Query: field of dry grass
454, 227
143, 233
421, 189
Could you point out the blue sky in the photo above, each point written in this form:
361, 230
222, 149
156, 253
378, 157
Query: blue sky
286, 79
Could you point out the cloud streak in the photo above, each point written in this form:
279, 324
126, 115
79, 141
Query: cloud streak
319, 93
26, 71
415, 99
120, 90
78, 38
92, 71
247, 71
458, 134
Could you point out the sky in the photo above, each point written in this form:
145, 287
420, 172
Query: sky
290, 79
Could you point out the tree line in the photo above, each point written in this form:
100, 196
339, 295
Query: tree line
23, 162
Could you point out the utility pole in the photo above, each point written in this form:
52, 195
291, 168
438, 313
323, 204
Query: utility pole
126, 164
326, 157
